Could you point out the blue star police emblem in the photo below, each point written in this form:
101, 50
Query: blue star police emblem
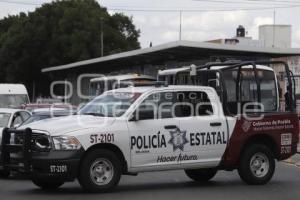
178, 139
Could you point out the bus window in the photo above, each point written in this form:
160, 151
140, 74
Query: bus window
97, 88
93, 88
248, 90
183, 78
268, 88
248, 87
269, 91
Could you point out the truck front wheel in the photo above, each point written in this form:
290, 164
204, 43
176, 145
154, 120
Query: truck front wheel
201, 175
257, 165
47, 184
100, 171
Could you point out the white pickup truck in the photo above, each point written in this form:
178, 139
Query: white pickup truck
151, 128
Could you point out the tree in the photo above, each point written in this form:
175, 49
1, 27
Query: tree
58, 33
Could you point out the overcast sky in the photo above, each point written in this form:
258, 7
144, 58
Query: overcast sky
199, 25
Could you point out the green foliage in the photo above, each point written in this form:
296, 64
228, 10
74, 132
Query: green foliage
59, 33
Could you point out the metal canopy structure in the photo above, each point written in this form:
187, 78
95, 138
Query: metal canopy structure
180, 51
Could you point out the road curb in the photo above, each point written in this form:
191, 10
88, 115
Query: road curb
290, 161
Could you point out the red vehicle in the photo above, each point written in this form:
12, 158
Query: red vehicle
33, 106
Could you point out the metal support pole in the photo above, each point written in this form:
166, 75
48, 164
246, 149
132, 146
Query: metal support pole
180, 22
102, 43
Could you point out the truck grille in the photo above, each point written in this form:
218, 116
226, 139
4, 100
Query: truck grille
18, 138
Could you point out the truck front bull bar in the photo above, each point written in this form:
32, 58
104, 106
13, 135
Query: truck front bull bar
8, 147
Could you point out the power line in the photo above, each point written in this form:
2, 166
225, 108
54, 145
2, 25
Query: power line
250, 2
263, 3
274, 1
117, 8
20, 3
202, 10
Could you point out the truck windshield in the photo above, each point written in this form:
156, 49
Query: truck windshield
13, 100
4, 119
113, 104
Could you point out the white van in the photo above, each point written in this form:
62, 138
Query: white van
13, 95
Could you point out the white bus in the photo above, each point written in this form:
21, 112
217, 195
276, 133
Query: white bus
13, 96
105, 83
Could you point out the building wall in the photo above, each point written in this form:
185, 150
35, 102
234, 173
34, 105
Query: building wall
294, 65
242, 41
248, 41
278, 36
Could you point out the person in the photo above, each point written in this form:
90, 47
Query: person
288, 98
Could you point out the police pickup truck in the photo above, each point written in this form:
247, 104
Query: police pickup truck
150, 128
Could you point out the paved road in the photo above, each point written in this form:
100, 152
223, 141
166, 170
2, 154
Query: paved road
296, 159
168, 185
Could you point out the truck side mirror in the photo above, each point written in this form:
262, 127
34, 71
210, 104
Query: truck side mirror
145, 114
214, 83
16, 125
193, 70
133, 117
142, 115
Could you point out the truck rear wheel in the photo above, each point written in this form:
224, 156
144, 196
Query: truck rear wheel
100, 171
47, 184
257, 165
201, 175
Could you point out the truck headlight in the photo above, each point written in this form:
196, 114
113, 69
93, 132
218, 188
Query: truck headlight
42, 143
66, 143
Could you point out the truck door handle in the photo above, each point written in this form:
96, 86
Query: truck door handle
216, 124
170, 127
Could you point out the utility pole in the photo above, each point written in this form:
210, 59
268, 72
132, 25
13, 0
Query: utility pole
274, 22
66, 92
102, 43
180, 21
33, 92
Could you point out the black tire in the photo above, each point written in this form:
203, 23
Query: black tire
47, 184
262, 160
4, 173
201, 175
109, 167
